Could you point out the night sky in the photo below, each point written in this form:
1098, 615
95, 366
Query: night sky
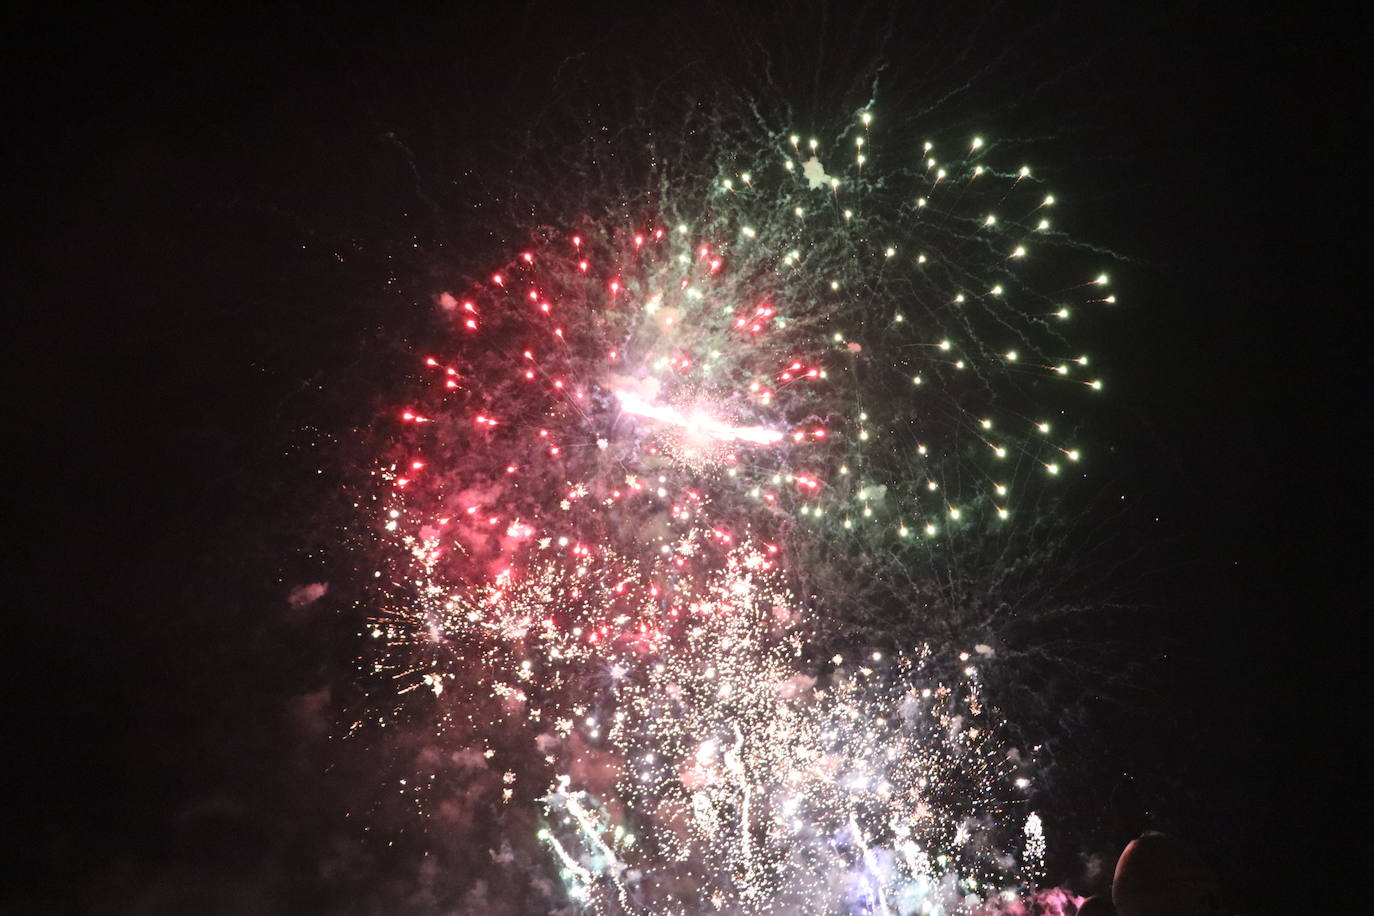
209, 219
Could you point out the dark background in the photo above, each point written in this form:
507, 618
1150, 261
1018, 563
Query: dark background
202, 212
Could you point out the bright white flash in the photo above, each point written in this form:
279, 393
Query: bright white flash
697, 424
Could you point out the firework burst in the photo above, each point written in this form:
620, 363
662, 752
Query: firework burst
849, 351
604, 508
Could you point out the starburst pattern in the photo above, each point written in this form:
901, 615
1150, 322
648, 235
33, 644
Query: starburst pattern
600, 510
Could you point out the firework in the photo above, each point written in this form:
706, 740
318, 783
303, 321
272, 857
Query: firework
605, 510
742, 784
799, 342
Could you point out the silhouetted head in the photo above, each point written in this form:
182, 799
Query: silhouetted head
1159, 876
